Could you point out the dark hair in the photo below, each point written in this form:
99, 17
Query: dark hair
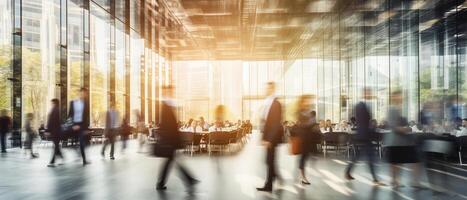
313, 113
55, 101
83, 89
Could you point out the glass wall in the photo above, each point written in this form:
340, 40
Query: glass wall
136, 59
40, 25
75, 48
120, 72
415, 47
66, 37
5, 53
100, 61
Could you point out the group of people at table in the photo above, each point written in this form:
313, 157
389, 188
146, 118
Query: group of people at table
201, 126
455, 128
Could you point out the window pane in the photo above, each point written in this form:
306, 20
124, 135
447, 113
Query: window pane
5, 54
100, 63
40, 56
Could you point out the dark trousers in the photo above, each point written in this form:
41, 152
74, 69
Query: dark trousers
56, 151
271, 165
165, 171
368, 150
3, 141
110, 140
82, 140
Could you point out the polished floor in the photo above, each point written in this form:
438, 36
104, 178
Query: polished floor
230, 177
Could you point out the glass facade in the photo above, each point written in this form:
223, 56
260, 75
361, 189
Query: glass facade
70, 44
6, 53
40, 55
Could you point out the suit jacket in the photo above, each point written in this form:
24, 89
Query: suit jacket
71, 112
168, 126
363, 117
53, 122
273, 129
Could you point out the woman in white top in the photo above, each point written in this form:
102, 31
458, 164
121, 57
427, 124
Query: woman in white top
195, 128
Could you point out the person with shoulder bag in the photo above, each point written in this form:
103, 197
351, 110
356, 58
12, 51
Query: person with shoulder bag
306, 131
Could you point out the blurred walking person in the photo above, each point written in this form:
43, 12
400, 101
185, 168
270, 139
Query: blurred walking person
5, 126
125, 132
111, 129
273, 132
171, 138
308, 131
79, 115
365, 135
30, 134
400, 146
140, 128
54, 129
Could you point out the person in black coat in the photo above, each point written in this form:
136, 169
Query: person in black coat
308, 131
171, 136
273, 132
54, 129
79, 114
5, 126
365, 134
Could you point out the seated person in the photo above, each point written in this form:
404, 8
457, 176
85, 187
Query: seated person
203, 124
328, 127
195, 127
343, 126
438, 129
462, 129
373, 124
218, 126
187, 125
414, 126
384, 125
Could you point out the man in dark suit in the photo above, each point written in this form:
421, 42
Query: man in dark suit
54, 128
272, 133
170, 135
364, 135
79, 114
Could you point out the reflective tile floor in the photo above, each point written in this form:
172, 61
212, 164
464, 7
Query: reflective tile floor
230, 177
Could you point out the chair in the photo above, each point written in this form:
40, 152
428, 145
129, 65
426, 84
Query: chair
337, 140
218, 139
188, 141
97, 135
462, 144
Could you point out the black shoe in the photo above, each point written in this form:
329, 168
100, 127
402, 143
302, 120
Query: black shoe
264, 189
112, 158
349, 177
3, 151
305, 182
86, 163
161, 187
51, 165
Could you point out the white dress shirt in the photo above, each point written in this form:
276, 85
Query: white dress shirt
114, 119
267, 106
78, 110
461, 132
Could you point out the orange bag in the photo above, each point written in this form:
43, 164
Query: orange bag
295, 145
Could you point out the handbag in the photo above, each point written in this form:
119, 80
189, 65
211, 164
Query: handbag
67, 128
295, 145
